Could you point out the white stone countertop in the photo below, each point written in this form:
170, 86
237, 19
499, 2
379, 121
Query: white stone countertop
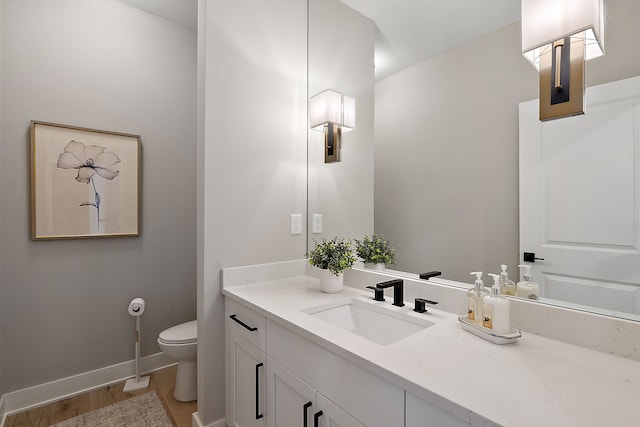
533, 382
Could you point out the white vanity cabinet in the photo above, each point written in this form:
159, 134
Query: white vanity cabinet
422, 380
273, 374
293, 403
245, 367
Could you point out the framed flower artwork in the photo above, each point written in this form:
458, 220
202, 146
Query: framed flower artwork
85, 183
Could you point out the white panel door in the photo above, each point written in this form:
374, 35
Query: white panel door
247, 383
290, 401
580, 199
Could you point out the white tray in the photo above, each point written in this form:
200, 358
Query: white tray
487, 334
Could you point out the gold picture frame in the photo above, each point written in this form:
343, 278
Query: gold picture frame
85, 183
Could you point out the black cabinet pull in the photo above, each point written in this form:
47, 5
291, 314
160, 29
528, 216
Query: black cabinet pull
305, 407
258, 414
235, 319
316, 417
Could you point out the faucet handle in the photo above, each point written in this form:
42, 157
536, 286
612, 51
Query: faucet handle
430, 274
419, 306
378, 293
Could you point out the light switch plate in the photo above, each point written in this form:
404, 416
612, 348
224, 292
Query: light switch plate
296, 223
317, 224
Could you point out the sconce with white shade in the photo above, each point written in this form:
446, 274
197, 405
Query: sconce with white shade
558, 36
333, 113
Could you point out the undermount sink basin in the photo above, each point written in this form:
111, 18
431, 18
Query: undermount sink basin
371, 321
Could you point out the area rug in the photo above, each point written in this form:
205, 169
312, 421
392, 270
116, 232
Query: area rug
145, 410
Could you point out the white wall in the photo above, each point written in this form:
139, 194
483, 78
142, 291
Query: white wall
251, 157
341, 46
103, 65
446, 166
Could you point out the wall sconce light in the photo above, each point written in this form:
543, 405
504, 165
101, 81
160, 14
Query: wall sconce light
333, 113
558, 36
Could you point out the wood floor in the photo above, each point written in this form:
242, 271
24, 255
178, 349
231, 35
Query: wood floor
162, 382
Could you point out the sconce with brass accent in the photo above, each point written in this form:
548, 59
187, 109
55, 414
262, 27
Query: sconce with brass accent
333, 113
562, 79
558, 36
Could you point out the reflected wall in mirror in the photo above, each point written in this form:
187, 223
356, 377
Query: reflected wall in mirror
340, 55
446, 148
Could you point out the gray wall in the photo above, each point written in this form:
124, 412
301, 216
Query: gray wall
446, 165
2, 239
252, 148
103, 65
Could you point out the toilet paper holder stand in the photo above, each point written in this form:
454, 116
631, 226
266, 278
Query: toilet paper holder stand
136, 308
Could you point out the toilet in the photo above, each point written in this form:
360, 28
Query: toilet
180, 343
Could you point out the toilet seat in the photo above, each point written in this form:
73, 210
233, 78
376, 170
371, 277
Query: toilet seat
184, 333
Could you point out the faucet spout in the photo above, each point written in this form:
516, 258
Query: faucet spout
398, 290
429, 274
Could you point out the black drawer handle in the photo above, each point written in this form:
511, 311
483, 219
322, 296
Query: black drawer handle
316, 417
258, 414
305, 407
235, 319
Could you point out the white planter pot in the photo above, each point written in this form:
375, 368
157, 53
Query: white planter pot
374, 266
329, 282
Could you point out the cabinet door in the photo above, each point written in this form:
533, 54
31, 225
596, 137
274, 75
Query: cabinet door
290, 401
331, 415
246, 383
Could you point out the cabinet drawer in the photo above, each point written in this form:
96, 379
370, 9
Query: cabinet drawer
246, 323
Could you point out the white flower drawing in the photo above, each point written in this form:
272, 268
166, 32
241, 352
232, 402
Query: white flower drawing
90, 160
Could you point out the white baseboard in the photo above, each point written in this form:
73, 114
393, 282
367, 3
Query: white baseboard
42, 394
3, 416
195, 422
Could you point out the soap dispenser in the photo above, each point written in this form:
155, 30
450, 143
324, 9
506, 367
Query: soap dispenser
474, 299
508, 286
527, 288
496, 310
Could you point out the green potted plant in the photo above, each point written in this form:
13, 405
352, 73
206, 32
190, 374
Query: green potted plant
332, 257
375, 251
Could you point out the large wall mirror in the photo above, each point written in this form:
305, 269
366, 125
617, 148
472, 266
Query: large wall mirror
433, 164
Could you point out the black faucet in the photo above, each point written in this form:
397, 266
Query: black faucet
428, 275
398, 292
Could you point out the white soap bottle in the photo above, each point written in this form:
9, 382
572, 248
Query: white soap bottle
508, 286
527, 288
474, 300
496, 310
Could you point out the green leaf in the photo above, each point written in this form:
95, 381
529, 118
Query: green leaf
335, 255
